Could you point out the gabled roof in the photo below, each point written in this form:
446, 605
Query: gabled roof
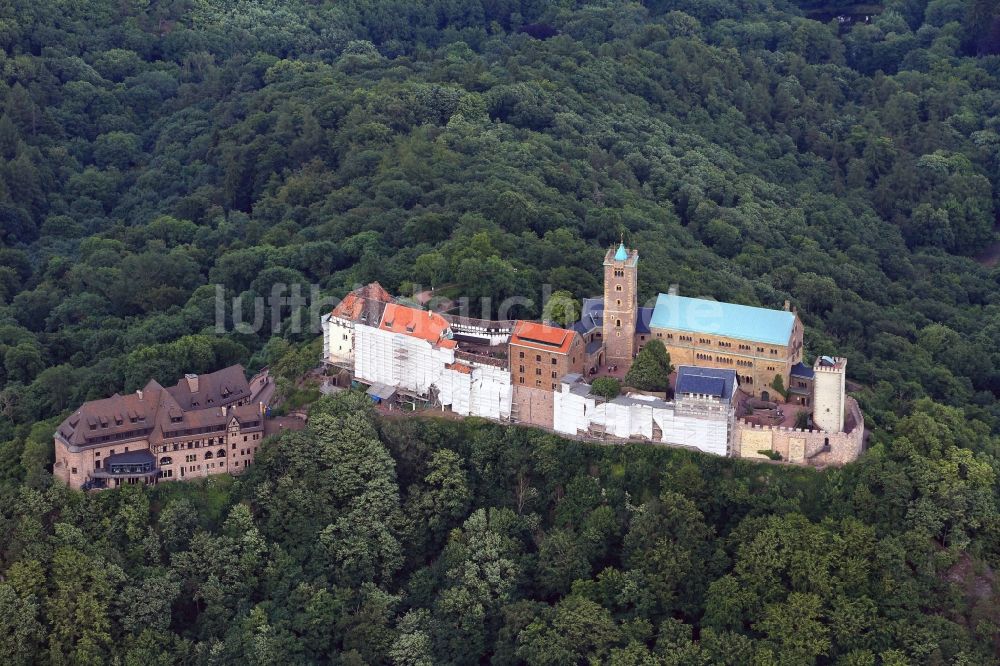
113, 417
543, 337
802, 370
364, 304
642, 319
154, 410
592, 316
422, 324
245, 415
742, 322
212, 390
716, 382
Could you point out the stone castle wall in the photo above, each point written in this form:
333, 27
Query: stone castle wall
803, 447
533, 406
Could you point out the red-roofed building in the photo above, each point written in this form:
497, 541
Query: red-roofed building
413, 355
422, 324
362, 306
540, 356
542, 337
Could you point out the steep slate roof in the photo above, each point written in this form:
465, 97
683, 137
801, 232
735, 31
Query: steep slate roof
119, 418
717, 382
364, 305
642, 319
802, 370
154, 411
592, 316
214, 389
540, 336
422, 324
743, 322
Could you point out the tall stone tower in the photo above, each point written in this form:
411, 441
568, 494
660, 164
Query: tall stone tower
620, 305
829, 384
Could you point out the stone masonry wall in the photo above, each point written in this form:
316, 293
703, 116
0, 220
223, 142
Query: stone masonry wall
533, 406
809, 447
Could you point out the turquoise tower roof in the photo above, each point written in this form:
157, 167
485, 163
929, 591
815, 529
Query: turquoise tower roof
622, 253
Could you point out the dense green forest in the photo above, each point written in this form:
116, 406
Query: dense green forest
419, 541
152, 150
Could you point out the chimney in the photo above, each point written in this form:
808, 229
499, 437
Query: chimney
192, 381
788, 305
139, 393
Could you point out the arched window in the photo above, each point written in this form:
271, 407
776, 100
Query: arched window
208, 455
618, 287
166, 460
221, 453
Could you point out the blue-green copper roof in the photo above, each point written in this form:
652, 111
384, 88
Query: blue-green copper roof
622, 253
743, 322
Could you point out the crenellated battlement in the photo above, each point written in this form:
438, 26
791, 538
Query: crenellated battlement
802, 445
830, 364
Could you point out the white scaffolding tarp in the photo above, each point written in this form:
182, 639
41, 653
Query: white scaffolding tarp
417, 366
628, 417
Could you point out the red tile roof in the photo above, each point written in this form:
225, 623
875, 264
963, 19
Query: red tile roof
422, 324
364, 304
540, 336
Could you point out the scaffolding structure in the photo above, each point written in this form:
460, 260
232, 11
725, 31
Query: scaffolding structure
577, 412
416, 367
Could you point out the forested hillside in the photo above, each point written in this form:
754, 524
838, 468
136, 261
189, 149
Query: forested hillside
152, 150
436, 542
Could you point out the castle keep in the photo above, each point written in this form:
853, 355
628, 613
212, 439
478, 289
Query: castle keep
740, 372
621, 304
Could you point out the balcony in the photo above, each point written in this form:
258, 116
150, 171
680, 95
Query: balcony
132, 464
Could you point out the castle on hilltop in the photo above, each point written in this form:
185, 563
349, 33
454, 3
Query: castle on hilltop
740, 388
